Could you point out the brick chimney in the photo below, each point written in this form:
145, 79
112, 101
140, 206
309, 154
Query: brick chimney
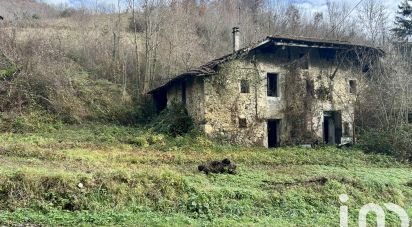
236, 39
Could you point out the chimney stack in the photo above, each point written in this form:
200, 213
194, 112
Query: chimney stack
236, 39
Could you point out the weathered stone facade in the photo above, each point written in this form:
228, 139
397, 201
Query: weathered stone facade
195, 104
325, 89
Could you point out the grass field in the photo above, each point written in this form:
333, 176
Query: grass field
111, 175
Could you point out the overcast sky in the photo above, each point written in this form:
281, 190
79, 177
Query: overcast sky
81, 3
320, 5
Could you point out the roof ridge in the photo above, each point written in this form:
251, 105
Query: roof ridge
209, 67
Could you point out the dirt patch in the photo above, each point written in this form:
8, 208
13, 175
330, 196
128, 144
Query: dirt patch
314, 181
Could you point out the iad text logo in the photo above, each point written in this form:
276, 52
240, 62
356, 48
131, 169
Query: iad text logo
371, 207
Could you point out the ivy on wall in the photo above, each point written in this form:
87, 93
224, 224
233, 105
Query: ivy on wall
298, 105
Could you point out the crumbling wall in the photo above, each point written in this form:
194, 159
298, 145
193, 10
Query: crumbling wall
331, 79
194, 97
225, 105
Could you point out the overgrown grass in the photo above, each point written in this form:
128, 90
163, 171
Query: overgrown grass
6, 73
111, 175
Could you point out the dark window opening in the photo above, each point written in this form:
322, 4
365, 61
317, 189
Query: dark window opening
365, 68
352, 86
184, 92
304, 61
273, 82
244, 86
242, 123
346, 130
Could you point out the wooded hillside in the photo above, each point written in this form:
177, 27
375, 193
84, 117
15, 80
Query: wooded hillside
90, 63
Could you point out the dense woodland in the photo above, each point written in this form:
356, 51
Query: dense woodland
96, 63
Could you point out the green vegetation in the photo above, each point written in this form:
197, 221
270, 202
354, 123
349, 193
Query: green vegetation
110, 175
69, 66
173, 121
7, 72
403, 20
396, 142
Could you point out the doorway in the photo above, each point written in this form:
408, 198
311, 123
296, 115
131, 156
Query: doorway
273, 128
332, 127
184, 92
160, 100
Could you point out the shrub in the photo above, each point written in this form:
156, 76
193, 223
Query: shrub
377, 141
35, 17
140, 26
396, 142
7, 73
140, 141
33, 121
148, 139
20, 124
145, 110
173, 121
156, 139
68, 12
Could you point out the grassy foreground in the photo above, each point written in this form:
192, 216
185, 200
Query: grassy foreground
110, 175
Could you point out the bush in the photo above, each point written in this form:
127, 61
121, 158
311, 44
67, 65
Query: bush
173, 121
140, 26
148, 139
32, 121
377, 141
35, 17
145, 110
140, 141
7, 73
156, 139
68, 12
396, 142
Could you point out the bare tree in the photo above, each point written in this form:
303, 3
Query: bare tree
132, 5
373, 18
153, 21
293, 20
337, 18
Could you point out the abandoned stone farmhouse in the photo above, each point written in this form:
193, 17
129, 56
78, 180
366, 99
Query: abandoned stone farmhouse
283, 90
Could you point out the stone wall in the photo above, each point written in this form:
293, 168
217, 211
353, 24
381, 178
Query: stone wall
217, 105
194, 97
225, 105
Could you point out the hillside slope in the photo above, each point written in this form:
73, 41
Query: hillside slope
25, 9
108, 175
64, 66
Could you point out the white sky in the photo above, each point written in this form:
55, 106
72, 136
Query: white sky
320, 5
88, 3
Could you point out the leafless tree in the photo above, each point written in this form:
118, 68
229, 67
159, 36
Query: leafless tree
373, 18
132, 4
337, 18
